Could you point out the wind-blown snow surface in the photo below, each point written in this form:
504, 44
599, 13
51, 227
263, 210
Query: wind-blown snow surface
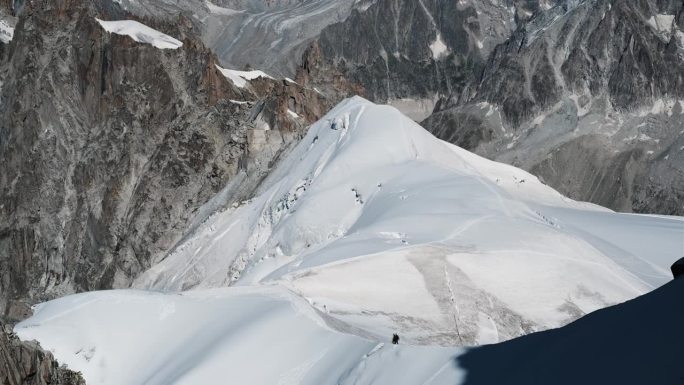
370, 226
140, 33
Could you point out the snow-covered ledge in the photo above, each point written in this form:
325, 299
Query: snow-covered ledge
140, 33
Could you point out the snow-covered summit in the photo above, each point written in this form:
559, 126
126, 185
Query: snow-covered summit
141, 33
441, 244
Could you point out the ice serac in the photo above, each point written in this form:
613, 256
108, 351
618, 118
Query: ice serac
140, 33
442, 246
110, 145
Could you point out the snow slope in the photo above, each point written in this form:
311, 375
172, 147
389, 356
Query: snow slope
266, 335
140, 33
234, 336
241, 78
386, 228
270, 35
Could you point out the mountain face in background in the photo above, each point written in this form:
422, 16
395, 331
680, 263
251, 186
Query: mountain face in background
590, 98
530, 83
372, 226
586, 95
109, 147
409, 53
24, 363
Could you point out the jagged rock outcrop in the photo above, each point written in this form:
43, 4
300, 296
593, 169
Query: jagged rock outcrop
24, 363
110, 148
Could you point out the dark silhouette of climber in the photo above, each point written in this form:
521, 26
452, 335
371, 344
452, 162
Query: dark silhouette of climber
395, 339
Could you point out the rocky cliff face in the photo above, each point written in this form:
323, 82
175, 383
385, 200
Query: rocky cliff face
110, 148
24, 363
588, 96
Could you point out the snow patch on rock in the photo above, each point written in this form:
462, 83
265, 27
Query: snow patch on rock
140, 33
661, 23
6, 32
438, 47
241, 78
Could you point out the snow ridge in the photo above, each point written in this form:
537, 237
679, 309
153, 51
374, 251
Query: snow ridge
368, 190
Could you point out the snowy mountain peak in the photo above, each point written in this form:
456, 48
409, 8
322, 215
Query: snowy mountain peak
369, 191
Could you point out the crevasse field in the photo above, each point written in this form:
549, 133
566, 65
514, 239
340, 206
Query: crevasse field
370, 227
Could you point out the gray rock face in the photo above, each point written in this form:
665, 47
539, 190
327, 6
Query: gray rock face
591, 49
110, 148
415, 50
588, 96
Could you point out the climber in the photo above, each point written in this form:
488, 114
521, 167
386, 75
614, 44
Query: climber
395, 339
337, 124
